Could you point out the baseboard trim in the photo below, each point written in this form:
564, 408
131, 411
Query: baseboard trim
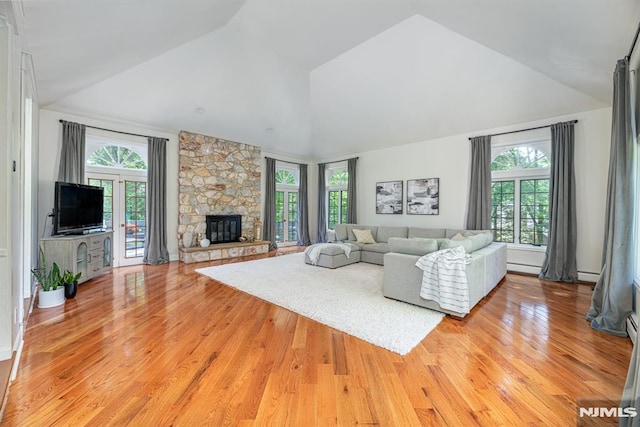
535, 271
632, 331
521, 268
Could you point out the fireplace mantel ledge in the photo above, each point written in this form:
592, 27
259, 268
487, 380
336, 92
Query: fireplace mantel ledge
223, 251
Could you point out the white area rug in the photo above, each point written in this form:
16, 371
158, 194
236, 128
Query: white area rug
348, 298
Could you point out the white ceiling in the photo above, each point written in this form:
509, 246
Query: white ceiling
323, 78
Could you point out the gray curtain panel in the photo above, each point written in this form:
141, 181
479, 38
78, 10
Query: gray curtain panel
479, 206
155, 250
560, 259
303, 208
631, 391
611, 300
72, 153
322, 204
352, 197
269, 225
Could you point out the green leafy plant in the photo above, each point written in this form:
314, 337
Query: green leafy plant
49, 279
69, 277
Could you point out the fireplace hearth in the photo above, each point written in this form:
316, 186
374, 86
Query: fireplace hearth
224, 228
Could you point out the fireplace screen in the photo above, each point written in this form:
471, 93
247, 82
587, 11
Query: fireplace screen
224, 228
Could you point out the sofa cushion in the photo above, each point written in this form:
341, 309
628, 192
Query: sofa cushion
381, 248
350, 227
450, 244
341, 232
426, 233
450, 232
363, 236
479, 241
470, 244
414, 246
468, 233
385, 232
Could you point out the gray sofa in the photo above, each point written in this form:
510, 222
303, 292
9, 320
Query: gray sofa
398, 249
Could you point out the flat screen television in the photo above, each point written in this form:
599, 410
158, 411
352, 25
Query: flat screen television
78, 208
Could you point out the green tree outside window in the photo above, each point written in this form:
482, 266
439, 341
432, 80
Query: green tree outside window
117, 157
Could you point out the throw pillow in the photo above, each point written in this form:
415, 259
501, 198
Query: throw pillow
363, 236
458, 237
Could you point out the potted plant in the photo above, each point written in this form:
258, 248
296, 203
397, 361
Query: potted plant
51, 292
70, 282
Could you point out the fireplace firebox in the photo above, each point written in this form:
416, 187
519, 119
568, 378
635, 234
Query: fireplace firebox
224, 228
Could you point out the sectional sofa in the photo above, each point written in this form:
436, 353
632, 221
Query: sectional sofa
398, 249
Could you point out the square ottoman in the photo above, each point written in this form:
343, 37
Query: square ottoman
332, 255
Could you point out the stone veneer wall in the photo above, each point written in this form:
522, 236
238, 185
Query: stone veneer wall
217, 177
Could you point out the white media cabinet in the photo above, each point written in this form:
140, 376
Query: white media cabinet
90, 254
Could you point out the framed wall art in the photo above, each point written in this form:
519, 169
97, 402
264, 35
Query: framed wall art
423, 196
389, 197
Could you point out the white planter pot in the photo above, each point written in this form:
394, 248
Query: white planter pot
51, 298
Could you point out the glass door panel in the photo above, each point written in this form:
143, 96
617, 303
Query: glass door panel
286, 217
280, 218
292, 217
107, 185
135, 214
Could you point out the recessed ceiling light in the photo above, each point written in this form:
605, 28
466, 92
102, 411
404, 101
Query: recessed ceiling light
199, 110
269, 130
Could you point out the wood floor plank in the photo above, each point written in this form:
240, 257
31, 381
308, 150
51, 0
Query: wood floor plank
163, 345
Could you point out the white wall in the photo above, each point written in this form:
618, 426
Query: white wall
448, 159
50, 144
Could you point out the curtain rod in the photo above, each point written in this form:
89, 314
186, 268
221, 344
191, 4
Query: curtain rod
284, 161
633, 44
116, 131
573, 122
338, 161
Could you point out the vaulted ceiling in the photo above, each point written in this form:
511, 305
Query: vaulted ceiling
323, 78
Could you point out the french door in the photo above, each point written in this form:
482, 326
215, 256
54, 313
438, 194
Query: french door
125, 213
286, 217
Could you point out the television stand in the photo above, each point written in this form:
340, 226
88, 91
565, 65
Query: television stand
89, 254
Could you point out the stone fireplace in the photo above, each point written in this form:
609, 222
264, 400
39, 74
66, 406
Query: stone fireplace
224, 228
217, 177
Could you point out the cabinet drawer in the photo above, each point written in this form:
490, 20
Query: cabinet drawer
95, 267
96, 255
96, 242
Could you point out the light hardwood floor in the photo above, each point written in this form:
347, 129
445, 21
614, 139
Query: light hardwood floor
162, 345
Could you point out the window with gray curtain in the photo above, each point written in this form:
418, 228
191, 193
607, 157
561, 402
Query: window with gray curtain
322, 203
479, 204
612, 296
269, 225
72, 161
560, 259
155, 251
303, 208
352, 200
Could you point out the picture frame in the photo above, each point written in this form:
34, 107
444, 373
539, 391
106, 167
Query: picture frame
423, 196
389, 196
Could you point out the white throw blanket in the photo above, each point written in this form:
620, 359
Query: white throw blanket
314, 251
444, 280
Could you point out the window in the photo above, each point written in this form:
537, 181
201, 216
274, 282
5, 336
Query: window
287, 185
116, 157
284, 176
107, 185
520, 194
120, 167
338, 206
